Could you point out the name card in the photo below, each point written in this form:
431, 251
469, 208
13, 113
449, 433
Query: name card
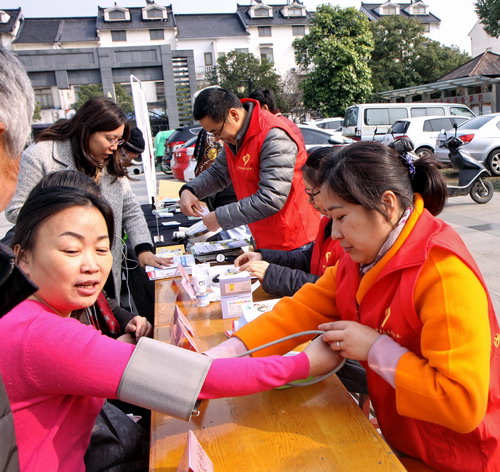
195, 458
182, 332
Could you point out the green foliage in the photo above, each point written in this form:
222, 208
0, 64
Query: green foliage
489, 14
37, 112
95, 90
404, 57
242, 72
334, 56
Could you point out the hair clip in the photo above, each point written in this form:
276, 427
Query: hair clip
409, 162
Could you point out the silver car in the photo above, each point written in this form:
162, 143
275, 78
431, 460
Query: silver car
481, 137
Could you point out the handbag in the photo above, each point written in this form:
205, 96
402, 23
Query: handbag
117, 443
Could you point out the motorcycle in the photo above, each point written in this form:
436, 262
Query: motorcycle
472, 174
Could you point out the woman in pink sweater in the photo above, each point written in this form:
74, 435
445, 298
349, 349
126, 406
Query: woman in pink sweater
58, 371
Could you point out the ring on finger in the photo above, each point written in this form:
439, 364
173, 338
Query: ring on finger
338, 344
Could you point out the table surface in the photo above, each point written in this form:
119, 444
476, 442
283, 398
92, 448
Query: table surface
315, 428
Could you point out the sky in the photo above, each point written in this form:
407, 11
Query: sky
457, 16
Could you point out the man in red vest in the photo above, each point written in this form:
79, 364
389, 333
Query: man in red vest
262, 158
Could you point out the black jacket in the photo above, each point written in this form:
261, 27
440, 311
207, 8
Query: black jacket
14, 288
287, 271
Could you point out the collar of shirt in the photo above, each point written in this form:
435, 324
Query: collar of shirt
249, 107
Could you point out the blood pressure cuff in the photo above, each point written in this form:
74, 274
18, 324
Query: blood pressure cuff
164, 378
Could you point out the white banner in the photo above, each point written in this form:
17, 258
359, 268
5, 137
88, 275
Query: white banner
142, 120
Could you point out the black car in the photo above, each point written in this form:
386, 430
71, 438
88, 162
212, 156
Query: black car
177, 138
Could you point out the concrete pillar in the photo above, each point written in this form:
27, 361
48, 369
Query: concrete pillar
106, 71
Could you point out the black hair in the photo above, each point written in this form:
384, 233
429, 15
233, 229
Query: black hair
361, 172
97, 114
45, 202
265, 97
215, 103
69, 178
311, 170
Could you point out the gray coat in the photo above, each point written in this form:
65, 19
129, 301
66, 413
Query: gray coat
45, 157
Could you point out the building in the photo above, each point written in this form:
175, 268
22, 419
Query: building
418, 10
173, 55
475, 84
481, 41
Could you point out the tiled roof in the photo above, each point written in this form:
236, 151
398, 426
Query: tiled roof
277, 19
136, 20
486, 64
49, 30
9, 26
209, 26
369, 10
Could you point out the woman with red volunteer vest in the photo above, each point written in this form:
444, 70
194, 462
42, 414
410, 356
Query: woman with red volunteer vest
262, 158
408, 301
282, 273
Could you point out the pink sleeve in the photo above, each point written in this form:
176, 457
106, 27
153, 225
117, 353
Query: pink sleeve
383, 357
66, 357
235, 377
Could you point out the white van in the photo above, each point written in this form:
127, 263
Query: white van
370, 121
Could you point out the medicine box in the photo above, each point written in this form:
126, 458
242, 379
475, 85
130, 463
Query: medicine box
235, 292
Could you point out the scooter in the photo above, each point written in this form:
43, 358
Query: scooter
472, 174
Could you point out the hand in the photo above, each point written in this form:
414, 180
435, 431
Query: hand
139, 326
355, 339
210, 221
321, 358
247, 257
232, 347
256, 268
189, 204
147, 258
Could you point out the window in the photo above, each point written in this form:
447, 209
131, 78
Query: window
44, 97
155, 34
419, 10
160, 91
461, 111
154, 13
427, 27
438, 124
209, 59
117, 15
264, 30
240, 50
119, 35
299, 30
295, 11
314, 137
384, 116
267, 54
429, 111
389, 11
262, 12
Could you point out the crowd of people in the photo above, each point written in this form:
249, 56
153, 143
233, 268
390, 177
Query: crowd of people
349, 237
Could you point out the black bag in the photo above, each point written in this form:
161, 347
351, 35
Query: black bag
117, 443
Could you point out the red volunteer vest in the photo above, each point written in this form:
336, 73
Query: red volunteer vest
297, 222
326, 252
394, 290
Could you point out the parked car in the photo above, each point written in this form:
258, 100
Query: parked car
182, 158
315, 137
177, 138
481, 137
368, 121
422, 131
333, 124
159, 143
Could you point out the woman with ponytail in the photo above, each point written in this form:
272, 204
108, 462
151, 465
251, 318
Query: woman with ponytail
408, 301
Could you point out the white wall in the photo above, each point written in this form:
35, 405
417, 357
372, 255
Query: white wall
136, 38
481, 41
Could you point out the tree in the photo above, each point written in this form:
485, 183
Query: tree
404, 57
95, 90
397, 40
489, 14
243, 72
334, 56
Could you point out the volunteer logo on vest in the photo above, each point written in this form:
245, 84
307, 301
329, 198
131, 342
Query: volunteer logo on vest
246, 159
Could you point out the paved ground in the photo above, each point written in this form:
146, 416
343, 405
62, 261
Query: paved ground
478, 225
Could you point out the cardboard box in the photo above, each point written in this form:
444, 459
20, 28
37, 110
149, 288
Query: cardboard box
235, 292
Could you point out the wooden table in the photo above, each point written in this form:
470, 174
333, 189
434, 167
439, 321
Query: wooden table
316, 428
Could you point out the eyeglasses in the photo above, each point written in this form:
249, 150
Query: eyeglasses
311, 194
117, 141
212, 137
